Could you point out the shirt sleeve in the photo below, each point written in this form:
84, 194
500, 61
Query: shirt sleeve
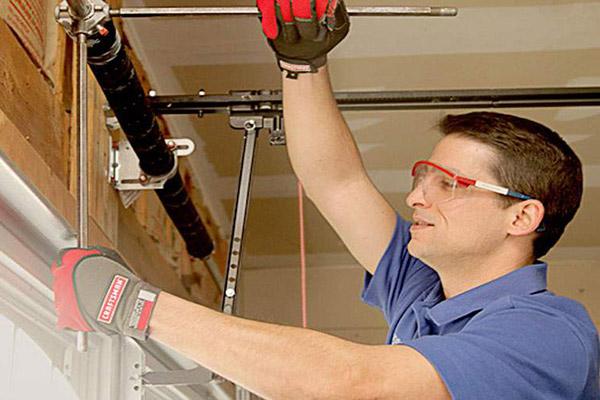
512, 354
399, 277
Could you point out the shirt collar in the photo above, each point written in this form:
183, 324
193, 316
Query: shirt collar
525, 280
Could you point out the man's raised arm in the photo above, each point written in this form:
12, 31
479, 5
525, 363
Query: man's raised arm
321, 148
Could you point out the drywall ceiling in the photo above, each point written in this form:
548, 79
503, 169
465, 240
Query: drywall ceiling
491, 44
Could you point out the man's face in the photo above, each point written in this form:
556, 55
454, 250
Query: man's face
468, 227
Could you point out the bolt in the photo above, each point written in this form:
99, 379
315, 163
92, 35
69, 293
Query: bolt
171, 144
143, 178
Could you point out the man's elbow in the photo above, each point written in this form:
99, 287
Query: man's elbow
354, 378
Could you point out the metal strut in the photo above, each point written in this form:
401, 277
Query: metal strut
251, 125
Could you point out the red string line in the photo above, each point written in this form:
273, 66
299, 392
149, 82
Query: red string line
302, 254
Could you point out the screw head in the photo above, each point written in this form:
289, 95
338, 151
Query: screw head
152, 93
143, 178
201, 93
249, 125
230, 293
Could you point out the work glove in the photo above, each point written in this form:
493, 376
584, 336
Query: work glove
302, 32
95, 291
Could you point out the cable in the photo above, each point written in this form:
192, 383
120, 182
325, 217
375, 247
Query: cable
302, 254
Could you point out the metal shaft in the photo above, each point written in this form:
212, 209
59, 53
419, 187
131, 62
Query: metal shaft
82, 170
148, 12
79, 8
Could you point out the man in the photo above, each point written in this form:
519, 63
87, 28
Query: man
461, 287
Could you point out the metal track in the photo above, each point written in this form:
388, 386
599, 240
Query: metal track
269, 102
153, 12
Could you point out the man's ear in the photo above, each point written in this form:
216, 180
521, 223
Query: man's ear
526, 216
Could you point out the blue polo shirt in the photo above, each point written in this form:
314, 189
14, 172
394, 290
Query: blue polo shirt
507, 339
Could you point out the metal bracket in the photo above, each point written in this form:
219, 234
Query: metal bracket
195, 376
274, 125
88, 25
268, 111
124, 172
110, 119
134, 360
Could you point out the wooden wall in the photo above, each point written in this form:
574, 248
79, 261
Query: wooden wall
36, 120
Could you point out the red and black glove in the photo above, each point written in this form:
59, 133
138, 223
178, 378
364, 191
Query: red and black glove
302, 32
95, 291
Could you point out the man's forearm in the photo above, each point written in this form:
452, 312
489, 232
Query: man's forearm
271, 360
320, 145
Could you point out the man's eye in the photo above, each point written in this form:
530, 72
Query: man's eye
448, 184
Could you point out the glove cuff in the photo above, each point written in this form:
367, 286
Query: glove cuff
138, 311
295, 67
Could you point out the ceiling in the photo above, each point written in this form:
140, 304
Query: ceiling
491, 44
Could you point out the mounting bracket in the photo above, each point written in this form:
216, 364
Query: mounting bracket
276, 132
133, 362
89, 24
183, 377
125, 174
265, 111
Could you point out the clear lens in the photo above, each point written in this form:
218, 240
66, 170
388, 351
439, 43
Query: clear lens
437, 186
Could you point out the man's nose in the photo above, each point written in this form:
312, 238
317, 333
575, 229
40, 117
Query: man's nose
416, 198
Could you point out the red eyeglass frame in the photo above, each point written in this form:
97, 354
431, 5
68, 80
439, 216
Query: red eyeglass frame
466, 182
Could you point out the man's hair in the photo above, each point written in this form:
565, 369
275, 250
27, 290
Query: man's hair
533, 160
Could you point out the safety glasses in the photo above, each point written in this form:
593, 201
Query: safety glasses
440, 185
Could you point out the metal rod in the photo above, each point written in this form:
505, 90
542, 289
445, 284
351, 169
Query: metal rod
239, 217
82, 170
79, 8
149, 12
252, 102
